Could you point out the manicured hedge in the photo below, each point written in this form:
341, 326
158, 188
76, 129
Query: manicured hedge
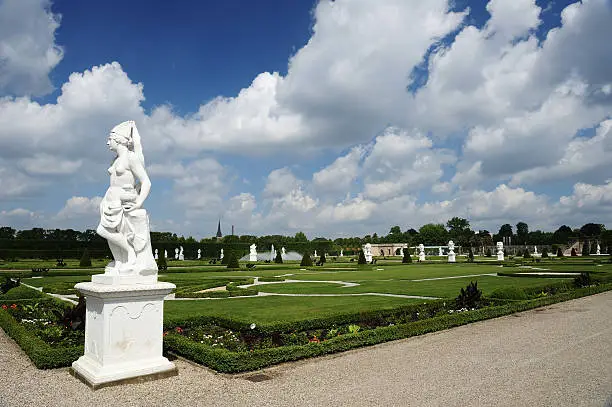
43, 355
21, 292
232, 362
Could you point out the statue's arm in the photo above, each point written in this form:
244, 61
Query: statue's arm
145, 183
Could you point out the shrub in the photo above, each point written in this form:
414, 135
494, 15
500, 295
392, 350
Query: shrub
162, 264
85, 259
509, 293
322, 259
526, 254
21, 292
73, 317
8, 284
585, 249
362, 259
488, 252
232, 261
279, 258
583, 280
407, 258
559, 252
470, 257
574, 254
306, 260
469, 297
544, 252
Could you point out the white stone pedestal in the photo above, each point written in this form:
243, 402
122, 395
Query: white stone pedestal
451, 257
123, 332
500, 256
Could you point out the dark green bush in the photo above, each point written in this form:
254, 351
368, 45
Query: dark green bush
85, 259
279, 258
162, 263
232, 261
8, 284
586, 249
361, 259
469, 297
306, 260
488, 252
559, 252
470, 257
583, 280
526, 254
406, 258
21, 292
509, 293
322, 259
544, 253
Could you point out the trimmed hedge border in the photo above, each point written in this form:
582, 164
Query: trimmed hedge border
226, 361
43, 355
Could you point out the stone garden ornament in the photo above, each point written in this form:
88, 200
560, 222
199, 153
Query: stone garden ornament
421, 252
124, 315
253, 252
367, 251
500, 251
451, 251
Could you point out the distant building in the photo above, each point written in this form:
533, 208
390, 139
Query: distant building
219, 234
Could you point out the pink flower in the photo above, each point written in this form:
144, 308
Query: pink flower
14, 306
4, 306
179, 329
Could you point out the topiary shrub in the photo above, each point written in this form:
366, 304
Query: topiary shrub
470, 257
585, 249
232, 261
526, 254
322, 259
85, 259
574, 254
9, 284
306, 260
406, 258
488, 252
20, 293
509, 293
469, 297
162, 264
361, 259
279, 258
583, 280
544, 252
559, 252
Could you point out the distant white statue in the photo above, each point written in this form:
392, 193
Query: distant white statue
440, 252
283, 253
221, 254
176, 253
272, 253
367, 251
181, 254
253, 252
166, 254
402, 251
598, 249
535, 249
341, 253
199, 254
500, 251
123, 221
156, 255
315, 253
421, 252
451, 251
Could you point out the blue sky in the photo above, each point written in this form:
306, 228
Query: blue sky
335, 118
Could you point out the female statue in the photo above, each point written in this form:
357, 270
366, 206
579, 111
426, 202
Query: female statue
122, 221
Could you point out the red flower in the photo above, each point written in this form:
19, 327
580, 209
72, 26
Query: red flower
4, 306
314, 339
165, 333
179, 329
14, 306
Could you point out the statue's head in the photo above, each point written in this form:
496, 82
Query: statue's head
122, 133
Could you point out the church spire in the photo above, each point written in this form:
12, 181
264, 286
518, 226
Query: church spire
219, 234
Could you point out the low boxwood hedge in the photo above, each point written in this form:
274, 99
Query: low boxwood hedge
21, 292
43, 355
233, 362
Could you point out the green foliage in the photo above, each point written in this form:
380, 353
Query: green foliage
586, 249
322, 259
306, 260
85, 259
470, 257
574, 254
21, 292
162, 263
488, 252
526, 254
583, 280
279, 258
407, 258
544, 253
362, 258
232, 261
509, 293
469, 297
8, 284
559, 252
433, 234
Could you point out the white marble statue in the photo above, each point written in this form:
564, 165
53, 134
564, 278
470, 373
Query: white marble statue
500, 251
283, 253
598, 250
123, 221
421, 252
440, 252
272, 253
535, 249
253, 252
315, 253
341, 253
156, 255
124, 306
402, 251
166, 254
176, 253
451, 251
181, 255
367, 251
221, 255
199, 254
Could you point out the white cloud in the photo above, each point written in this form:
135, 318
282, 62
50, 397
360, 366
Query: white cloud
81, 208
27, 46
341, 174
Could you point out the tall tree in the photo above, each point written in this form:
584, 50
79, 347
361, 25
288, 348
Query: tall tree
505, 230
433, 234
592, 229
7, 232
522, 231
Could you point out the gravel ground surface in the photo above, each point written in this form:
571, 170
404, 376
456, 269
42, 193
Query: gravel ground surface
555, 356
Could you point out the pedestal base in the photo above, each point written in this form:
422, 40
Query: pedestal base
500, 257
123, 333
451, 257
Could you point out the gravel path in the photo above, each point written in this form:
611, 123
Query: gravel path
555, 356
